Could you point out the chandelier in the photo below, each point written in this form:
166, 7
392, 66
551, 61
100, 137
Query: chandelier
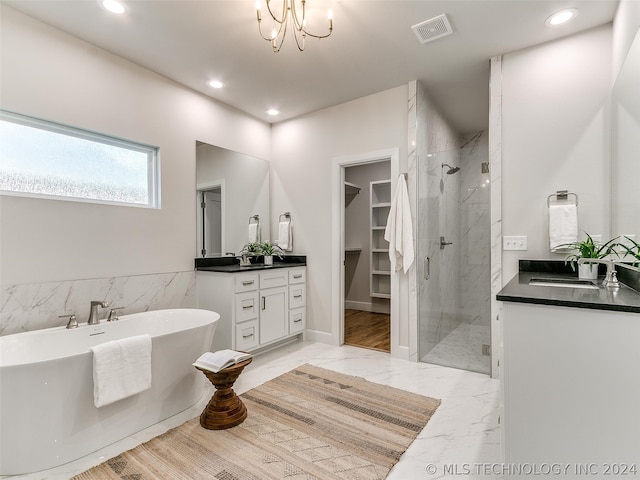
290, 14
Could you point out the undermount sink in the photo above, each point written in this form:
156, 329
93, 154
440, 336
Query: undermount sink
564, 282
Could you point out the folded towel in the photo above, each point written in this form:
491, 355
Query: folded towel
121, 368
285, 237
254, 232
399, 229
563, 225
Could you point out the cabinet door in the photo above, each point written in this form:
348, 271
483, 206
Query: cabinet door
274, 318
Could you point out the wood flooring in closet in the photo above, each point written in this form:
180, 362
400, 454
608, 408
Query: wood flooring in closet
367, 330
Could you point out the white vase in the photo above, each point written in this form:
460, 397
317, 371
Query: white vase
588, 271
268, 259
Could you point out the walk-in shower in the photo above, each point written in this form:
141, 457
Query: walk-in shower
453, 244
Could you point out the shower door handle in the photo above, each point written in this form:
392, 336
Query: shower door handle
427, 268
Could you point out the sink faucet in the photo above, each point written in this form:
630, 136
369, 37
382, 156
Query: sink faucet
93, 313
611, 278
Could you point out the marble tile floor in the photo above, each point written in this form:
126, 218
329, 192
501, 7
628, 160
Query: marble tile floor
462, 348
463, 433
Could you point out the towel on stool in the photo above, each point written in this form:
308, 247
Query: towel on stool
563, 225
121, 368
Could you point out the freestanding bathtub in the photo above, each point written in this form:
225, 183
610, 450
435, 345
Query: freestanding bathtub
47, 413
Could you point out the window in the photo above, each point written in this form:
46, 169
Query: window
44, 159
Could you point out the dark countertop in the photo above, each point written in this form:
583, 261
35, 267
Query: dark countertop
232, 264
518, 290
237, 268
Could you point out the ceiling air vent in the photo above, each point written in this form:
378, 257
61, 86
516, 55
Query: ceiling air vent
429, 30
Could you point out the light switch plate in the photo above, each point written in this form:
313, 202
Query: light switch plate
514, 243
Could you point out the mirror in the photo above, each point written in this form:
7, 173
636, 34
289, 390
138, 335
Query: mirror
234, 187
625, 143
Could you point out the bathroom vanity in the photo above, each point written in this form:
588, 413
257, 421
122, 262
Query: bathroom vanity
260, 306
570, 375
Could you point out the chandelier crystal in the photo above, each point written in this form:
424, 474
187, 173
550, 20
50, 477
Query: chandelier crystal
290, 14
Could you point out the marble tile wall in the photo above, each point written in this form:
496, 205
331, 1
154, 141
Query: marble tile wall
475, 230
495, 160
38, 305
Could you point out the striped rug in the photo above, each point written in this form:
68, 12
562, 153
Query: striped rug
310, 423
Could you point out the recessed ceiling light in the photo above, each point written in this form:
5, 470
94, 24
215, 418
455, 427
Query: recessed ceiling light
113, 6
216, 84
273, 112
561, 17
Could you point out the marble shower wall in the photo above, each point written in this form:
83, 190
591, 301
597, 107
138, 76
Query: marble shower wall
38, 305
475, 231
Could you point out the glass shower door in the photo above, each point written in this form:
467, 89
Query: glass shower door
453, 239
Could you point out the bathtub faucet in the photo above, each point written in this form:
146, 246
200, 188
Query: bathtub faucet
93, 313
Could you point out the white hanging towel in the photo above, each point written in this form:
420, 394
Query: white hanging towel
285, 236
563, 225
121, 368
254, 232
399, 230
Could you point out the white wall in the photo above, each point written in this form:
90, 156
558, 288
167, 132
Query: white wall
555, 136
302, 153
625, 26
52, 75
58, 255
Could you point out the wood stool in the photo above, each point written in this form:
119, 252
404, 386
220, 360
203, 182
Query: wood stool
225, 409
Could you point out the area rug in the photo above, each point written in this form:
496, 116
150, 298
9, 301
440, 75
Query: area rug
310, 423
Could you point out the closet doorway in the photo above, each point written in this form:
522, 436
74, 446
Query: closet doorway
367, 270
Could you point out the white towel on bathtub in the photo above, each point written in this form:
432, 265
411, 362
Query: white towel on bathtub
121, 368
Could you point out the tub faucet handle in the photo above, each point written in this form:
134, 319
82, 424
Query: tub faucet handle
113, 314
73, 323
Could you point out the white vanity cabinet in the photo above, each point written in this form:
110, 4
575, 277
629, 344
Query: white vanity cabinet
257, 308
571, 386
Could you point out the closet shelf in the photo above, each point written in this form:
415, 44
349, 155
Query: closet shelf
380, 266
381, 295
352, 251
351, 188
380, 272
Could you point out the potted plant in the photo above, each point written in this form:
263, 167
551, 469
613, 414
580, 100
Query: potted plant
631, 248
269, 250
252, 249
589, 249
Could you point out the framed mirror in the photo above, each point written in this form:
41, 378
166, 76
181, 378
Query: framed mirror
231, 190
625, 146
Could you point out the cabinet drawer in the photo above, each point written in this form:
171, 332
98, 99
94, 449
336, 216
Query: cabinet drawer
276, 278
297, 296
297, 275
296, 320
246, 306
246, 283
247, 335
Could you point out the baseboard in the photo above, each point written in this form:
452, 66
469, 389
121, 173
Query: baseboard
400, 351
367, 307
320, 337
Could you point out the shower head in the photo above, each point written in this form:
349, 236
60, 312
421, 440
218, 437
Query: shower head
451, 170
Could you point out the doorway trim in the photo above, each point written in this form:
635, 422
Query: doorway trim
338, 242
203, 187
